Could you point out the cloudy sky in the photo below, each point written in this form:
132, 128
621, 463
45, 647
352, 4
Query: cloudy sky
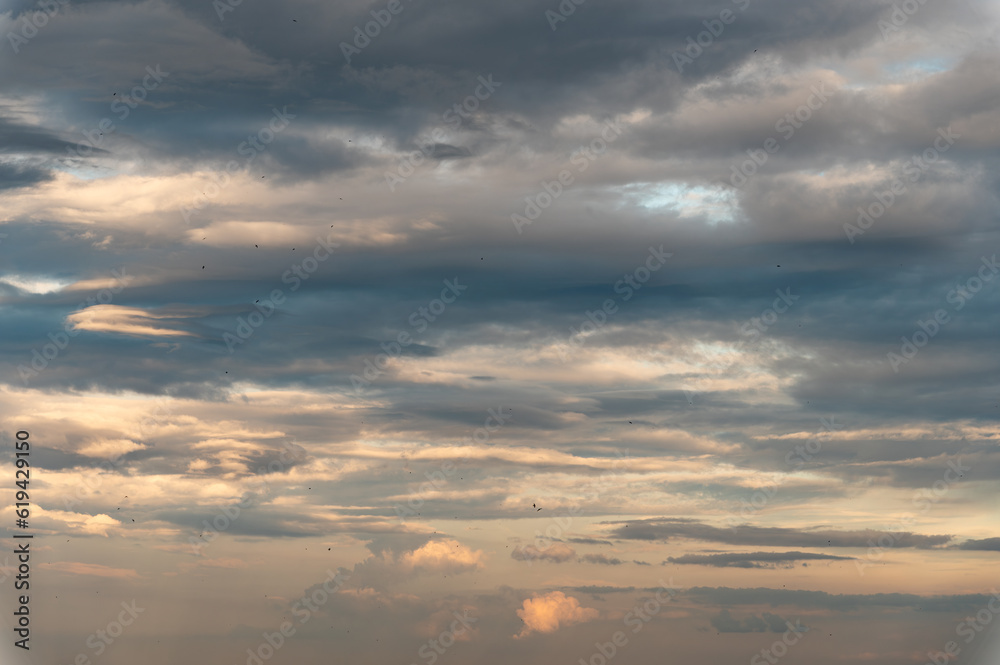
436, 333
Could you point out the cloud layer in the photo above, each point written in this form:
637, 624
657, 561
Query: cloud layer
503, 311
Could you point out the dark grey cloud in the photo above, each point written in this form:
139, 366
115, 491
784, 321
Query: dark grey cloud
19, 138
589, 541
753, 559
984, 544
601, 559
13, 177
555, 553
725, 622
595, 589
724, 596
666, 529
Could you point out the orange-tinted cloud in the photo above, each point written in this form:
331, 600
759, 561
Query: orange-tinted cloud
94, 569
443, 556
127, 321
548, 613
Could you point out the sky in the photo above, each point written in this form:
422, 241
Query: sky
426, 332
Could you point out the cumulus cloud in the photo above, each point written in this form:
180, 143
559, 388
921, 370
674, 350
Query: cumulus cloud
443, 556
589, 541
394, 562
547, 613
99, 524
